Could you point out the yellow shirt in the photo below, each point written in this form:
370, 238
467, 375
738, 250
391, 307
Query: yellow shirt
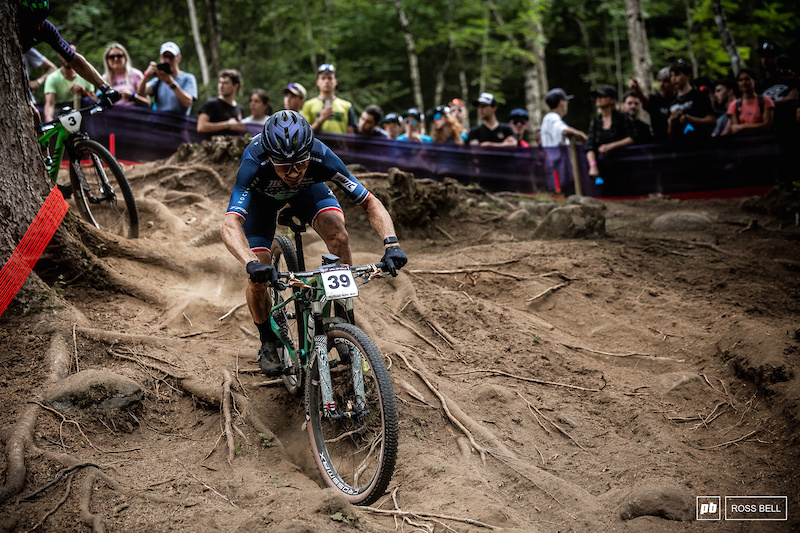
338, 122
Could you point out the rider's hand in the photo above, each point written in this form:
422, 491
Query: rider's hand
106, 96
261, 273
394, 259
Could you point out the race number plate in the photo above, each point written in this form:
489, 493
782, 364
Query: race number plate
72, 121
339, 283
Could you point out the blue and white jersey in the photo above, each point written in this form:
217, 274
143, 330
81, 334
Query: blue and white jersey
257, 175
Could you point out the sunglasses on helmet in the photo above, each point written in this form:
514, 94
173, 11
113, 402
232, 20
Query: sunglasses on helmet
326, 67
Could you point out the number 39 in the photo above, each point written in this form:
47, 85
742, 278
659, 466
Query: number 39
334, 281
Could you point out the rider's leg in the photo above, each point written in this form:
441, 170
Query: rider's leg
329, 224
258, 297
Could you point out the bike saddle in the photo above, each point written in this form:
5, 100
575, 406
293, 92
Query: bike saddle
290, 218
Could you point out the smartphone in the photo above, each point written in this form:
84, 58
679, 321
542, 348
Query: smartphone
326, 103
164, 67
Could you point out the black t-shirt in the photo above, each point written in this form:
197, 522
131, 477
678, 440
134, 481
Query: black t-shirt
482, 133
658, 108
778, 88
695, 104
219, 111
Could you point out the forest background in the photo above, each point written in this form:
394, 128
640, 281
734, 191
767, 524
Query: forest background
413, 53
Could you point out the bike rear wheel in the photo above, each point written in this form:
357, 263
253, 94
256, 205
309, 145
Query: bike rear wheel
101, 190
355, 453
284, 259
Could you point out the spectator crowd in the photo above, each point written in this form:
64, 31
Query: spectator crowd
682, 110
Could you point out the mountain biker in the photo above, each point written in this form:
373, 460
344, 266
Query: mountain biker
34, 28
285, 164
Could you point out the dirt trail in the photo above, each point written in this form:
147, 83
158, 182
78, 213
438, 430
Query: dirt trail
649, 362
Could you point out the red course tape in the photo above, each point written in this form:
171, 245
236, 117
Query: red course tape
30, 248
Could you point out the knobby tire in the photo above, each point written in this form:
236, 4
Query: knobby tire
110, 214
355, 455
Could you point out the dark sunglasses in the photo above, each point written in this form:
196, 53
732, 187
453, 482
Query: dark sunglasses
411, 121
115, 56
519, 121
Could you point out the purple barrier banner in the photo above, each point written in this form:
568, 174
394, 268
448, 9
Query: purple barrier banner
144, 135
724, 163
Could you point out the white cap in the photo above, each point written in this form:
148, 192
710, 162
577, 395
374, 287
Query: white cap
485, 98
170, 47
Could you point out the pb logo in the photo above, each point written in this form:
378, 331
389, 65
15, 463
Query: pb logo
708, 508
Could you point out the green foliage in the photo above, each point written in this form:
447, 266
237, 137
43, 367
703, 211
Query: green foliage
273, 43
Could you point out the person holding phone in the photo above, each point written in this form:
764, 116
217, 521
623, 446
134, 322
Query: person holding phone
173, 90
326, 113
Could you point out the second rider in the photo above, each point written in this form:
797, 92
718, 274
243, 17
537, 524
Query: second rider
285, 164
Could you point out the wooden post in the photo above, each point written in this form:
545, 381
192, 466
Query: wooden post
576, 169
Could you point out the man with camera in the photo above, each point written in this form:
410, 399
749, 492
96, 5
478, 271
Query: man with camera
327, 113
173, 90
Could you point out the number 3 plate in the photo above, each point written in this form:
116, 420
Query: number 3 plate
339, 283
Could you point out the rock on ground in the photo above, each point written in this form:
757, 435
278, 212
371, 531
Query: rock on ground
93, 388
573, 222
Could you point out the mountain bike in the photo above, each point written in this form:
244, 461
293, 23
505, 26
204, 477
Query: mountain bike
351, 414
96, 178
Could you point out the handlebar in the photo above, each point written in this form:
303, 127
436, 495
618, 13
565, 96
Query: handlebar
88, 110
372, 269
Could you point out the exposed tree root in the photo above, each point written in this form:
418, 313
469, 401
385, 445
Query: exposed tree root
95, 521
226, 412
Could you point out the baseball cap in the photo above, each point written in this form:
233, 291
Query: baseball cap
390, 117
296, 89
518, 113
414, 113
170, 47
438, 111
681, 66
326, 67
485, 98
554, 96
608, 91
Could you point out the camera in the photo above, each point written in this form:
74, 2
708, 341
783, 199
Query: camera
164, 67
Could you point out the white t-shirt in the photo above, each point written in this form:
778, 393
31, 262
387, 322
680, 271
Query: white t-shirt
553, 127
251, 120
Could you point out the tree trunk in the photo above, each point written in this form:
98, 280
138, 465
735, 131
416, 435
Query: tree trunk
24, 182
535, 70
587, 46
212, 18
725, 35
413, 64
23, 179
462, 82
198, 43
312, 48
689, 40
637, 40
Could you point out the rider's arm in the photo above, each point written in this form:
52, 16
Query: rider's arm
86, 70
235, 240
49, 106
378, 217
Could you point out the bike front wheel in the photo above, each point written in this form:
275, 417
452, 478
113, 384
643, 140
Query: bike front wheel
356, 448
102, 192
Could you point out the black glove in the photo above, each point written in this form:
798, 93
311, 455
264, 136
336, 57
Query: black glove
261, 273
106, 96
394, 259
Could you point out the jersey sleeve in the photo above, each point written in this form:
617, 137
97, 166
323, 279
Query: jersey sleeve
338, 173
49, 34
242, 192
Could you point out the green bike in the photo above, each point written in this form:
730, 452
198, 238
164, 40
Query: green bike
96, 178
351, 414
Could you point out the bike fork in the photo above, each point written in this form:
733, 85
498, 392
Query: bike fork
357, 367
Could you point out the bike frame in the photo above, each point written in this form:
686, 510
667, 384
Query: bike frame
315, 317
64, 129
